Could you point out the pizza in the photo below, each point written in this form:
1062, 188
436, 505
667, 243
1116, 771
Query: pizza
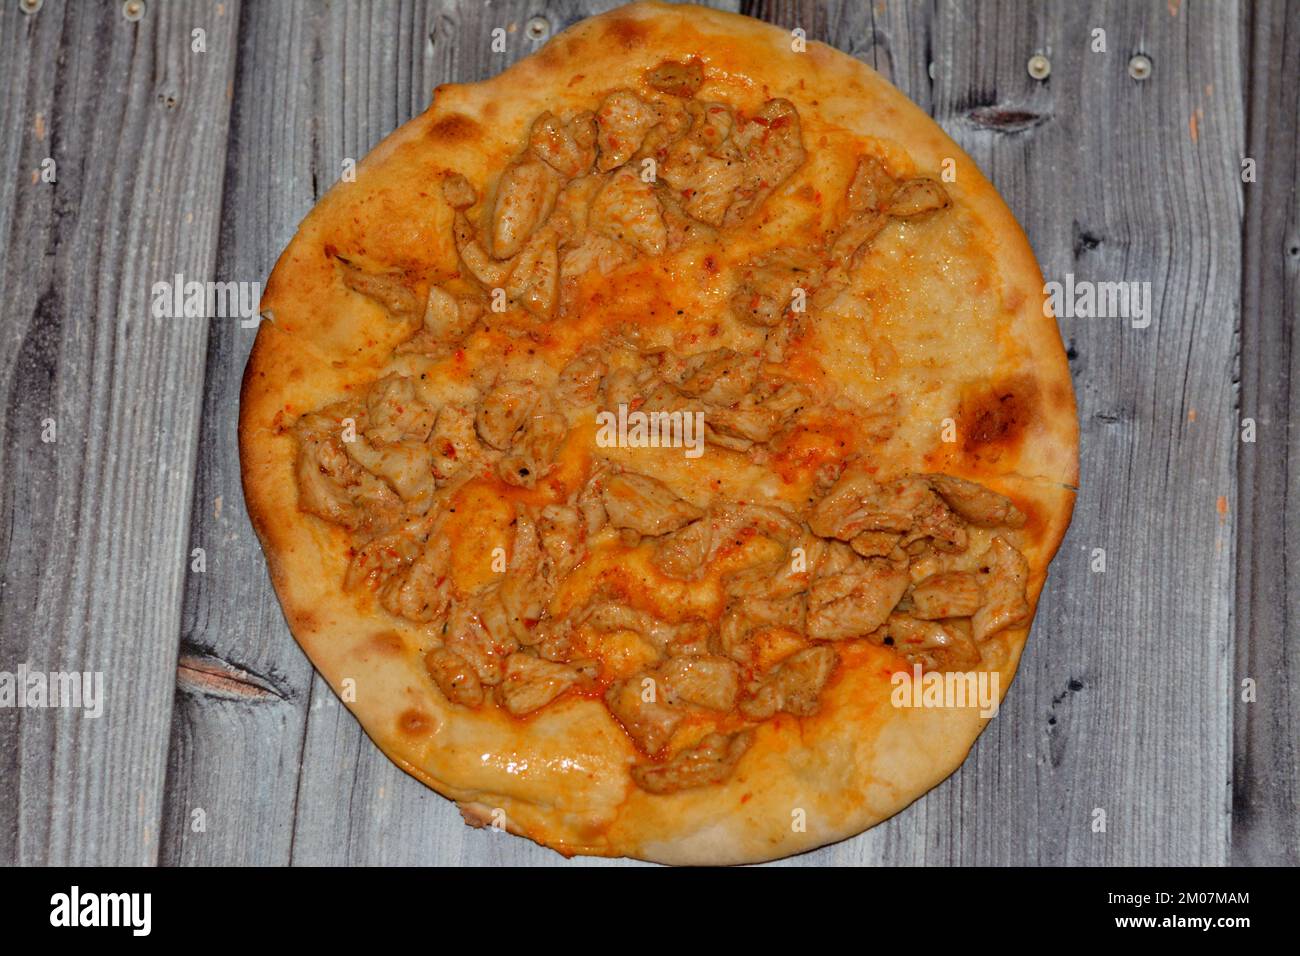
640, 420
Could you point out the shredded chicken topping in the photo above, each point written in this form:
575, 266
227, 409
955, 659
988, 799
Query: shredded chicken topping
888, 561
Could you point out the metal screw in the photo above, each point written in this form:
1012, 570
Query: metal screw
538, 28
30, 6
133, 10
1139, 67
1039, 66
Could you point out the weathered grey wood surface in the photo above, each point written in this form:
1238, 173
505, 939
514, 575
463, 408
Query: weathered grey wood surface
1129, 698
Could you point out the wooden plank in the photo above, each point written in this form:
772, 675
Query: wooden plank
1266, 734
93, 527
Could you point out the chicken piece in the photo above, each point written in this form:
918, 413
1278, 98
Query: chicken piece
454, 677
905, 506
594, 253
685, 554
947, 594
531, 683
683, 229
676, 79
746, 620
793, 686
468, 636
712, 760
720, 377
533, 451
535, 282
916, 198
769, 596
484, 269
709, 188
772, 146
608, 614
458, 192
646, 505
1003, 575
874, 199
579, 381
694, 638
521, 599
620, 387
563, 537
504, 410
390, 290
704, 168
591, 503
584, 249
612, 615
935, 645
871, 186
406, 467
857, 503
525, 196
875, 544
391, 445
975, 503
454, 443
333, 487
741, 428
422, 591
933, 520
767, 284
568, 148
626, 209
704, 681
394, 414
622, 121
851, 596
447, 320
388, 554
755, 419
648, 720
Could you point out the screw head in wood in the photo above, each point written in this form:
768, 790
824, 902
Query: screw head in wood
30, 6
133, 10
1039, 66
1139, 67
538, 28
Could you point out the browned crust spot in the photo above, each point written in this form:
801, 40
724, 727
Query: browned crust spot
994, 419
387, 642
455, 128
415, 723
628, 34
303, 622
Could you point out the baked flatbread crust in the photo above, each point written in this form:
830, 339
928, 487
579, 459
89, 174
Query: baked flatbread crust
958, 334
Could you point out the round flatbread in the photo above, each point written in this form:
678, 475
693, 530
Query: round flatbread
659, 439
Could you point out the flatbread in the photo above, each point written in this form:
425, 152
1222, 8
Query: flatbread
403, 544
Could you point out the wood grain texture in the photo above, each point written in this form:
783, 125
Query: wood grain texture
93, 537
1125, 699
1266, 738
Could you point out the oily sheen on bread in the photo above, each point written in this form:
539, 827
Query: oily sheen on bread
679, 650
